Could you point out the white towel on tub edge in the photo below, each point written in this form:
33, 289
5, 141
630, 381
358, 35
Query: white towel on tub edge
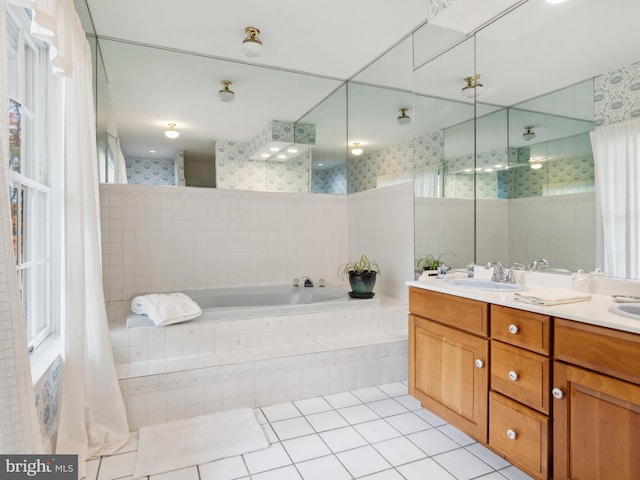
166, 308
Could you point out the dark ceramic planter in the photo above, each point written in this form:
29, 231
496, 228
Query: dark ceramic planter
362, 283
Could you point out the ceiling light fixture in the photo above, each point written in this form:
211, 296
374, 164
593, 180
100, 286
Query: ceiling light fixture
172, 132
356, 150
225, 94
528, 134
473, 87
252, 45
403, 118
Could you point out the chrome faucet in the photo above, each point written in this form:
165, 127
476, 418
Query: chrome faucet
537, 264
500, 274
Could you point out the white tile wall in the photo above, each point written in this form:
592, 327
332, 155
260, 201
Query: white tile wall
165, 238
381, 226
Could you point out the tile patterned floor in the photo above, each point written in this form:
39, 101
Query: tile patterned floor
378, 433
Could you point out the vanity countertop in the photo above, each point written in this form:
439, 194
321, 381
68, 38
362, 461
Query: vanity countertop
595, 311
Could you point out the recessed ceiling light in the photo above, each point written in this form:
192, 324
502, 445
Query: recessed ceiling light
498, 166
478, 169
553, 2
282, 156
152, 151
292, 150
488, 169
321, 164
265, 155
468, 170
274, 149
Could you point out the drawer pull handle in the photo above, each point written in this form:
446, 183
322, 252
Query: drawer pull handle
511, 434
557, 393
479, 363
513, 375
513, 329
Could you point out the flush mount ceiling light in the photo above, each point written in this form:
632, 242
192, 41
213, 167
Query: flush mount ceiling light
252, 45
473, 86
403, 118
225, 94
528, 134
172, 132
356, 150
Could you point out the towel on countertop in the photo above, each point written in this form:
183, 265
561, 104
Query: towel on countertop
551, 297
166, 308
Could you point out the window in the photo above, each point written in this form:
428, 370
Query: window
29, 85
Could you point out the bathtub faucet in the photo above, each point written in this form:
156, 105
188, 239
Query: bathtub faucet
307, 282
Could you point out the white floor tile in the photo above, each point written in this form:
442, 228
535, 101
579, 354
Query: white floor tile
463, 464
284, 473
225, 469
387, 407
377, 431
306, 448
271, 435
457, 435
407, 423
370, 394
492, 476
326, 421
280, 411
409, 402
358, 414
384, 475
394, 389
267, 459
363, 461
432, 418
433, 441
323, 468
291, 428
399, 451
426, 468
117, 466
341, 400
190, 473
313, 405
342, 439
487, 456
512, 473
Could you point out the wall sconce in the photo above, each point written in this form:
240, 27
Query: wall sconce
472, 88
225, 94
528, 134
356, 150
403, 118
172, 132
252, 45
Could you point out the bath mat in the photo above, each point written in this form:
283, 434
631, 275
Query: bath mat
203, 439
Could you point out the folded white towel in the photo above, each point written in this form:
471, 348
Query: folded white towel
166, 308
551, 298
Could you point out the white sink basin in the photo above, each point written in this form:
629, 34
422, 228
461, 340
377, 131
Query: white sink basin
631, 310
483, 285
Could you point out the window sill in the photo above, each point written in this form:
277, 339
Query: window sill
44, 356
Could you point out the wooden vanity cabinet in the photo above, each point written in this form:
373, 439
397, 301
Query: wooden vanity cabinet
520, 397
448, 358
596, 406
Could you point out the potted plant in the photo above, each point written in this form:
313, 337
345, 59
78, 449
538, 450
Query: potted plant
430, 263
362, 276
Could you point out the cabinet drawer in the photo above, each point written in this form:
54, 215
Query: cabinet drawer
523, 329
521, 375
520, 434
604, 350
458, 312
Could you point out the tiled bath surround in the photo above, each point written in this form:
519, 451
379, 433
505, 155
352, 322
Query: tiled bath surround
180, 371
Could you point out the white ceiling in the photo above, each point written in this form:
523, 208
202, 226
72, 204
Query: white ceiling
311, 49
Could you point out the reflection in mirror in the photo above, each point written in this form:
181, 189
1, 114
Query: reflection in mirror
551, 210
444, 159
217, 139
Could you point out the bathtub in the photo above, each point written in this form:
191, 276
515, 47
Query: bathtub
270, 300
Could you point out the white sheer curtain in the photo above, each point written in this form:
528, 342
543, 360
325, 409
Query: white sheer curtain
19, 430
92, 415
427, 181
616, 152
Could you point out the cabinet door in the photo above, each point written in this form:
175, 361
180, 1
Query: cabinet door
449, 374
596, 430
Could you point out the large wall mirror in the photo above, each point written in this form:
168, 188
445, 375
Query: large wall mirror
539, 63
